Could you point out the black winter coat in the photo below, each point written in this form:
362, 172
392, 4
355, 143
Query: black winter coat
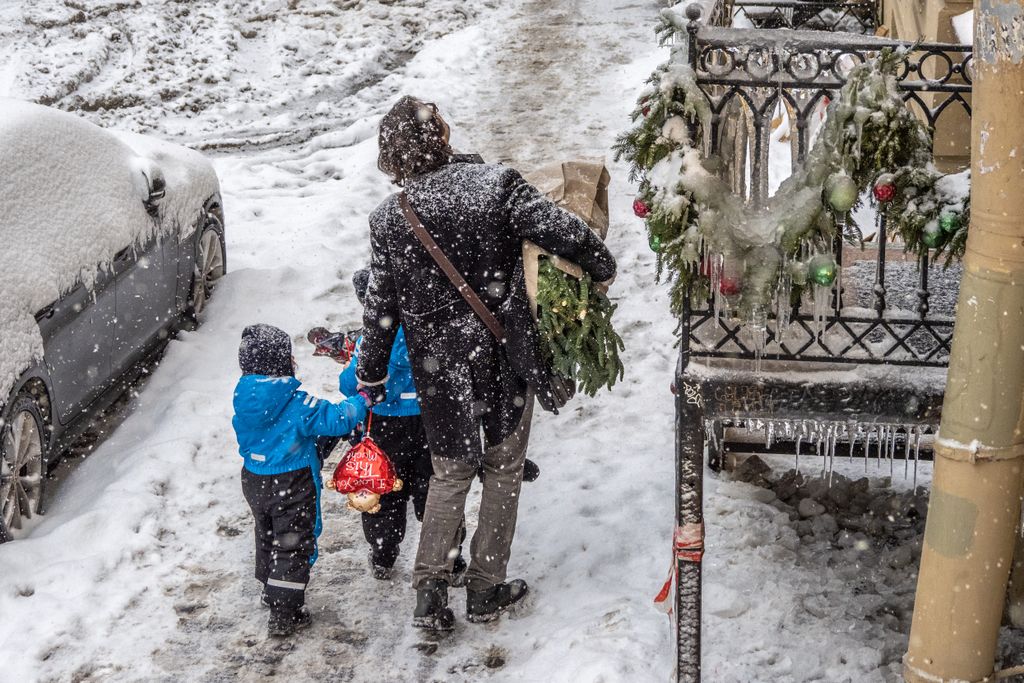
479, 214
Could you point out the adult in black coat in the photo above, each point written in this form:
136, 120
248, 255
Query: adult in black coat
476, 395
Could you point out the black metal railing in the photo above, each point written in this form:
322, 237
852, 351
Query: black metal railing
750, 78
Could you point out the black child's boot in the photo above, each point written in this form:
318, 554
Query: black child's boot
285, 622
432, 611
487, 605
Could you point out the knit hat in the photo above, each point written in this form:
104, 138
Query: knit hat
361, 281
265, 350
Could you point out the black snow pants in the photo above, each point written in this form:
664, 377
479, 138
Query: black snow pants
284, 507
405, 441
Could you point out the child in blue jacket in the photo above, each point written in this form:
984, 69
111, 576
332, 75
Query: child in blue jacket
277, 425
398, 430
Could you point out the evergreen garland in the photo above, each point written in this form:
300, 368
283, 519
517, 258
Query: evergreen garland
931, 210
575, 322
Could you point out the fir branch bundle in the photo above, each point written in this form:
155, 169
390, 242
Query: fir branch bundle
575, 323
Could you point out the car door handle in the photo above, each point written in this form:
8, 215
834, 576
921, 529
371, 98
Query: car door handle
45, 313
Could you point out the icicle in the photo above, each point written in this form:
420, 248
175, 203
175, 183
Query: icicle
906, 451
853, 440
832, 452
822, 302
892, 450
883, 444
758, 326
783, 308
917, 450
878, 447
799, 439
715, 272
867, 449
769, 433
711, 434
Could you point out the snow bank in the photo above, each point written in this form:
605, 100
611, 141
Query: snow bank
71, 197
963, 24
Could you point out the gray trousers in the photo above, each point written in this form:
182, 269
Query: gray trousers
502, 474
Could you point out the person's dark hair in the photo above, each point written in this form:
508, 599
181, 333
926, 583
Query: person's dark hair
412, 140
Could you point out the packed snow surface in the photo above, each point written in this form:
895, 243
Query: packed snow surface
142, 569
71, 196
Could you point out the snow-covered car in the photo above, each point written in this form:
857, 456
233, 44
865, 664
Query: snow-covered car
109, 241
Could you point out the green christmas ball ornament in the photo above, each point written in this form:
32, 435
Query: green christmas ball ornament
841, 192
949, 223
932, 236
822, 270
655, 243
798, 273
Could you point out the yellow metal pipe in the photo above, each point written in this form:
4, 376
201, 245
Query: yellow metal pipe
976, 488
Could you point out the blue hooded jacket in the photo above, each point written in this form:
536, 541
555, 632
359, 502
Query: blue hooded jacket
277, 424
400, 390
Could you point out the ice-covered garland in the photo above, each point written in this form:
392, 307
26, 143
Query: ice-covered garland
576, 323
760, 261
927, 209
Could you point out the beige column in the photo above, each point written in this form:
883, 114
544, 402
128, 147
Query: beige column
976, 489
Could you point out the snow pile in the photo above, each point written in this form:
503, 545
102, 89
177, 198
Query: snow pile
250, 72
963, 24
70, 198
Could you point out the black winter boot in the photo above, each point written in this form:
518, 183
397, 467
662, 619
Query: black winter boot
284, 623
531, 471
432, 611
488, 605
379, 571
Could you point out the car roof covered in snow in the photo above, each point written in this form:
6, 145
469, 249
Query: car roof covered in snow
71, 197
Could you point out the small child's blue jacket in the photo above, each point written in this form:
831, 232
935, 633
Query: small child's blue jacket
277, 424
400, 390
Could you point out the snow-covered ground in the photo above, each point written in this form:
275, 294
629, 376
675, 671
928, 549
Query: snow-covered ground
142, 568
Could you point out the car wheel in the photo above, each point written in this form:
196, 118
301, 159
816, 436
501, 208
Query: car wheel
22, 465
209, 269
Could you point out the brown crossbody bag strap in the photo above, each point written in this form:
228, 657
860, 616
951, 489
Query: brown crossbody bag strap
451, 271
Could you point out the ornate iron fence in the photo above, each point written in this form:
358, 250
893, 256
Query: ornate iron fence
748, 79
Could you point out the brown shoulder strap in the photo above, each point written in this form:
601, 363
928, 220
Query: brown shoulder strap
451, 271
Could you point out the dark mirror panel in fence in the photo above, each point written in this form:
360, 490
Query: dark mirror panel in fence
853, 17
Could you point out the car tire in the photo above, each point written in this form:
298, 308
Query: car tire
23, 457
209, 268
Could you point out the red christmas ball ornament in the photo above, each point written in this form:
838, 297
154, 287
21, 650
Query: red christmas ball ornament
645, 108
641, 209
885, 189
729, 286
